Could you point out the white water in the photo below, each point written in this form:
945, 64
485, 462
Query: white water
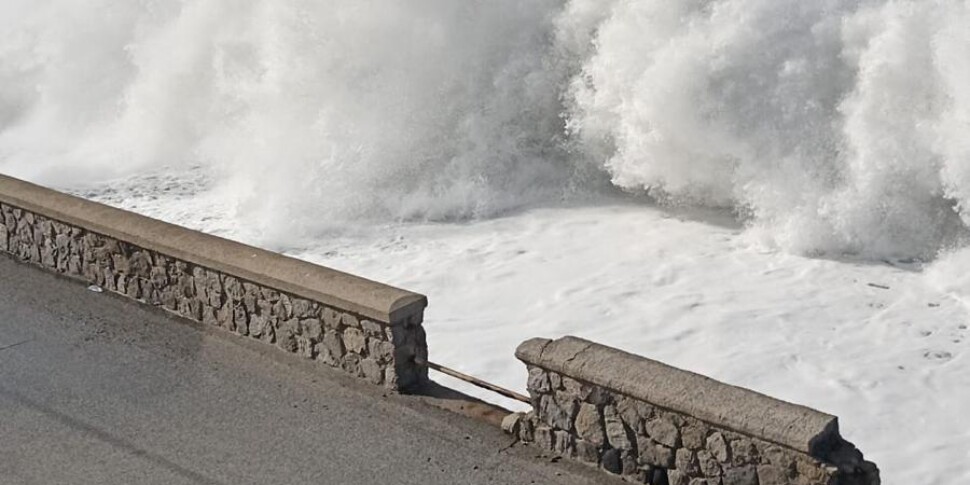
831, 126
836, 128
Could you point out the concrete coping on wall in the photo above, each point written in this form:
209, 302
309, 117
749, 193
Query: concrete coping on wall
742, 410
351, 293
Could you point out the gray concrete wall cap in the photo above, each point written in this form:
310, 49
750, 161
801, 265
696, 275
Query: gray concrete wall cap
345, 291
798, 427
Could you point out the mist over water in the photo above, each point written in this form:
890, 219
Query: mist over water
828, 126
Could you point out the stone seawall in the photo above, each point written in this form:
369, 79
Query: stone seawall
370, 330
656, 424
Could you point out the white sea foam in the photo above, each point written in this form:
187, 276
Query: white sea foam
835, 125
830, 126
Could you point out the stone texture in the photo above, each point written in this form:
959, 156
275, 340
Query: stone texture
797, 427
336, 337
564, 442
559, 415
617, 434
354, 341
538, 380
372, 328
694, 436
331, 349
350, 320
656, 454
663, 432
718, 447
372, 371
381, 350
709, 465
773, 475
313, 329
622, 433
587, 452
629, 410
555, 381
743, 452
588, 424
676, 477
544, 437
686, 462
740, 476
611, 461
512, 423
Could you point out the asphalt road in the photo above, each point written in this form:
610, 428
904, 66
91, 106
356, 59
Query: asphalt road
96, 390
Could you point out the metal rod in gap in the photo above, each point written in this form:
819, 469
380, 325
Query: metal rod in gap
477, 382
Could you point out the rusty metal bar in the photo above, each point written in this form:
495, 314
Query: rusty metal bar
476, 382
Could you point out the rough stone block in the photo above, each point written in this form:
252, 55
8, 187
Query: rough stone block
305, 347
544, 437
333, 346
380, 350
746, 475
676, 477
656, 454
250, 297
301, 308
312, 328
709, 465
718, 447
559, 415
538, 380
512, 423
611, 461
810, 470
331, 318
587, 452
390, 378
372, 328
350, 320
286, 340
694, 436
686, 462
354, 340
663, 431
778, 457
589, 424
564, 442
617, 433
629, 461
633, 412
773, 475
240, 320
372, 371
743, 452
285, 310
351, 364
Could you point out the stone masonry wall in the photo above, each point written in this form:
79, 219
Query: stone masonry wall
647, 443
383, 353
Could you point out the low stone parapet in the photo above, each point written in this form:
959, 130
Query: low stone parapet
656, 424
368, 329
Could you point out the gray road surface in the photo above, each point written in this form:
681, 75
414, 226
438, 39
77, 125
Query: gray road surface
96, 390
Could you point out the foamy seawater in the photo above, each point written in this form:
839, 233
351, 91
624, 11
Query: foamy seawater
832, 126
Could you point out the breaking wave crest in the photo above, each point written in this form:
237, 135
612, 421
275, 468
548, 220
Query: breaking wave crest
828, 126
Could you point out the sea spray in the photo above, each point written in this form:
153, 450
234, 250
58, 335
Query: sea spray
833, 126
